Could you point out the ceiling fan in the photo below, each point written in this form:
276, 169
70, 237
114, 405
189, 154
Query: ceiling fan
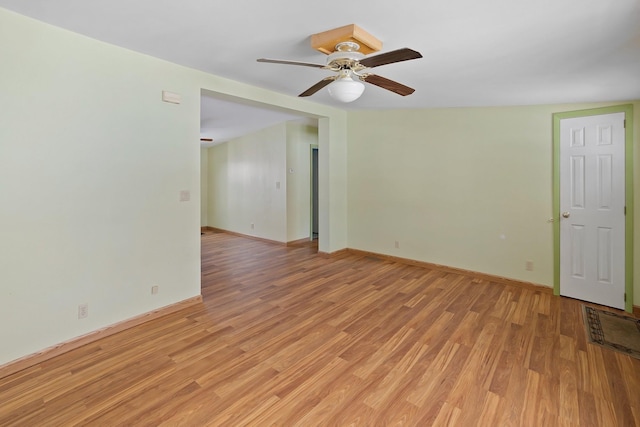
353, 68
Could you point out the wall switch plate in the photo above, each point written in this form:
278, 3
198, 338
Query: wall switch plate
185, 195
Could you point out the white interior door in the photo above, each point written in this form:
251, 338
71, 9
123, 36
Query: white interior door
592, 209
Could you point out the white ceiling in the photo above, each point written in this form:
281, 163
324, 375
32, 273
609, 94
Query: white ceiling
223, 119
476, 53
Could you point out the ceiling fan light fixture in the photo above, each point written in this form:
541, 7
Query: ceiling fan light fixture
346, 89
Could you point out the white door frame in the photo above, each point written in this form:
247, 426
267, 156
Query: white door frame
628, 110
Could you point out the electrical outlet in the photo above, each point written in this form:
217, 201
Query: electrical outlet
529, 266
397, 245
83, 311
154, 289
253, 226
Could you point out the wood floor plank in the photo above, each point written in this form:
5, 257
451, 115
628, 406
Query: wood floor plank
448, 415
287, 337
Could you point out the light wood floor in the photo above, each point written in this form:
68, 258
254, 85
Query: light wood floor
286, 337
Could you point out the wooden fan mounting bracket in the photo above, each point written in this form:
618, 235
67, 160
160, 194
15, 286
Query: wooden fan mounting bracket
346, 56
326, 41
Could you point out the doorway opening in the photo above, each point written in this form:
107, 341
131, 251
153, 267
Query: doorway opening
256, 176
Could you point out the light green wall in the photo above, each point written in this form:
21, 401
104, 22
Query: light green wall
300, 138
204, 186
332, 160
465, 187
242, 183
91, 167
248, 184
217, 212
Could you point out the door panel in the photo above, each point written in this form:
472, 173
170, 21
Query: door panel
592, 198
577, 251
577, 182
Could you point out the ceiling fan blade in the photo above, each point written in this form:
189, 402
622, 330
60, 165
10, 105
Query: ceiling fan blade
316, 87
279, 61
385, 83
399, 55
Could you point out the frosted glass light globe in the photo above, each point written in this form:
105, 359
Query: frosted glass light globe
345, 89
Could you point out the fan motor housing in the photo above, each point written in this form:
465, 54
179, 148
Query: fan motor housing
346, 55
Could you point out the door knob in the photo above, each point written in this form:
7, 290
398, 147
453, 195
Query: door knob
566, 214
